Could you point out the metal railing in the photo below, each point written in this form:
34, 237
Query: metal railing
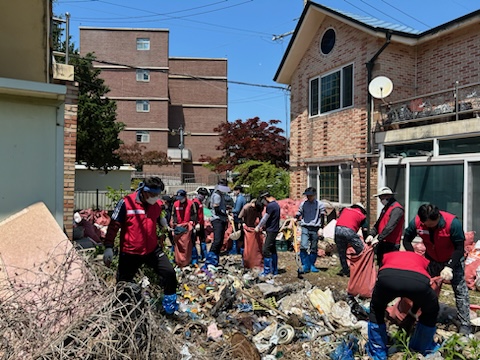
458, 103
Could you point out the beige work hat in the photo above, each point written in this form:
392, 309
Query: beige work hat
384, 191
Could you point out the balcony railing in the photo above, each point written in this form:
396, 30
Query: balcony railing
458, 103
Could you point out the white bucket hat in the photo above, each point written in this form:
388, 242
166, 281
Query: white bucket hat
360, 205
384, 191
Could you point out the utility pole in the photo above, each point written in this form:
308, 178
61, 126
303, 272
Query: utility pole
181, 146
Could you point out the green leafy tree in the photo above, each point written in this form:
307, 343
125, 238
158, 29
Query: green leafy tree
97, 131
259, 176
253, 139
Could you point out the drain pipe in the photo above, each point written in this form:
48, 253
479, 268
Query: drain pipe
370, 64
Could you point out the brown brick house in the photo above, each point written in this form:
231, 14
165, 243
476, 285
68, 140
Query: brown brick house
157, 95
422, 140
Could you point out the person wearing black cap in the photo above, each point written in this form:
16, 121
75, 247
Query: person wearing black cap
185, 212
271, 222
202, 194
219, 222
311, 212
136, 217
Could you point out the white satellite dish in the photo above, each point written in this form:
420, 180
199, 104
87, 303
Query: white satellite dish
380, 87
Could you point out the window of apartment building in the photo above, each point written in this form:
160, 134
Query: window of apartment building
143, 75
473, 198
143, 106
333, 91
143, 136
143, 44
395, 180
333, 182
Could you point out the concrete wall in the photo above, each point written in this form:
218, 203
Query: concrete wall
31, 146
88, 180
24, 40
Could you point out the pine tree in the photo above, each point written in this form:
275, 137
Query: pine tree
97, 131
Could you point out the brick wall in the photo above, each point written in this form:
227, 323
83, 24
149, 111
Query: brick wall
170, 93
70, 148
433, 65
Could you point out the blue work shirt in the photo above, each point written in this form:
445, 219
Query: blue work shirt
239, 204
311, 213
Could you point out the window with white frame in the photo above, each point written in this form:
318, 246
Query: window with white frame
333, 182
143, 137
143, 75
143, 44
143, 106
332, 91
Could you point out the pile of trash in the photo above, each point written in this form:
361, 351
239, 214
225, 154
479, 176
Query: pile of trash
261, 317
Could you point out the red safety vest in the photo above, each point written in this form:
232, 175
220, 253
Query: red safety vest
405, 260
183, 211
351, 218
200, 216
139, 232
395, 236
442, 248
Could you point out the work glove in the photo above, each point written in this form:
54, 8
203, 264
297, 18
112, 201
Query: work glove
197, 227
369, 239
257, 229
320, 233
108, 256
447, 273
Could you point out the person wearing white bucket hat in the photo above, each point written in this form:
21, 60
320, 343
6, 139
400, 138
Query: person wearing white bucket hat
389, 226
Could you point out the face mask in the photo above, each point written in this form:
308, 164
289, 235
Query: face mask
153, 200
265, 202
384, 202
200, 197
183, 200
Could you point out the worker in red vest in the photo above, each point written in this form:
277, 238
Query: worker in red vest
403, 274
184, 212
389, 226
351, 219
444, 239
136, 217
202, 194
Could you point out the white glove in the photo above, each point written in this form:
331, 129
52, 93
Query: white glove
320, 232
369, 239
197, 227
447, 273
108, 256
257, 229
375, 240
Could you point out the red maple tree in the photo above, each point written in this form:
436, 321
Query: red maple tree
252, 139
135, 155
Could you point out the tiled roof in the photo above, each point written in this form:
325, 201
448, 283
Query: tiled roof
376, 23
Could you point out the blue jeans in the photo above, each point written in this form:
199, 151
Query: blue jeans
309, 239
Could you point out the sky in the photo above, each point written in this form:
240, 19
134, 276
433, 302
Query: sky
251, 34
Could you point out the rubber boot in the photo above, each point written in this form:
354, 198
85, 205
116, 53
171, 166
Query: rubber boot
170, 304
211, 259
194, 255
233, 250
313, 258
267, 266
274, 264
305, 261
377, 341
203, 249
422, 339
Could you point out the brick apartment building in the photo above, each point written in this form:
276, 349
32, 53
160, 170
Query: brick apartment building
158, 97
423, 140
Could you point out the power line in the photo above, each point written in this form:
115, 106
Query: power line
381, 12
406, 14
